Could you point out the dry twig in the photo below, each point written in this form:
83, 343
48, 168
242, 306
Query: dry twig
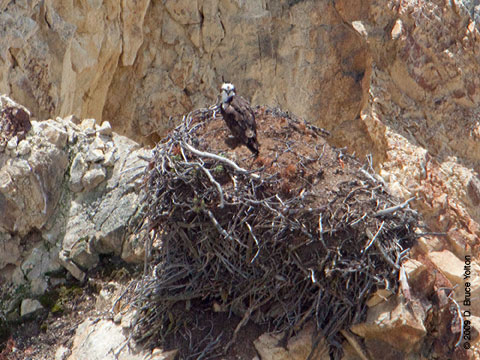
236, 237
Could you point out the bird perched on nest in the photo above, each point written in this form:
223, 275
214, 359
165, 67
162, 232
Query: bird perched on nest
239, 116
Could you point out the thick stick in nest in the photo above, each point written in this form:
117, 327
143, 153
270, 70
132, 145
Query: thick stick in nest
235, 237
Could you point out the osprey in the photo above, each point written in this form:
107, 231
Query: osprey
239, 116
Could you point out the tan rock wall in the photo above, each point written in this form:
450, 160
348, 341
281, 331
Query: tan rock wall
422, 112
137, 64
300, 56
58, 57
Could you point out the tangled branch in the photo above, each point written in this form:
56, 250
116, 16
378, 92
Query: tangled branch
286, 242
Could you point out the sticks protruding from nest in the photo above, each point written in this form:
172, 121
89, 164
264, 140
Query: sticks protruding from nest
235, 237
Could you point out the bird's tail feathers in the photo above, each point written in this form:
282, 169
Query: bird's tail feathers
252, 145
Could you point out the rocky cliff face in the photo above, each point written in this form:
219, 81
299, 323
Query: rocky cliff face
138, 65
397, 79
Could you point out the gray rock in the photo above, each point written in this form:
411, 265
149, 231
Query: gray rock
74, 119
98, 143
23, 148
93, 177
62, 353
88, 124
112, 219
9, 250
55, 134
83, 255
30, 187
12, 143
71, 267
77, 171
117, 319
110, 157
105, 129
30, 306
40, 260
101, 339
78, 224
38, 286
94, 155
34, 195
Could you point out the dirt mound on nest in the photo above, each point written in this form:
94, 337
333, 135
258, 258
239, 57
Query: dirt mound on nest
302, 233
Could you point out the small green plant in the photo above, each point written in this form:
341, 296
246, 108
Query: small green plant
198, 204
219, 169
55, 300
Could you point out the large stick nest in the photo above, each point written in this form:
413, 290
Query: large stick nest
302, 233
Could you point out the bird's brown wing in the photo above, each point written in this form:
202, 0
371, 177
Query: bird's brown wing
234, 122
245, 109
240, 119
247, 120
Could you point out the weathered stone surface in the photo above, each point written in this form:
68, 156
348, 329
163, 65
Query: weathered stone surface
120, 203
29, 306
133, 250
62, 353
103, 339
105, 129
60, 55
94, 176
53, 131
94, 155
29, 186
298, 347
67, 263
421, 111
12, 143
110, 156
392, 322
414, 269
379, 296
275, 38
71, 61
9, 250
35, 264
98, 341
133, 14
449, 265
102, 220
82, 255
88, 124
77, 171
33, 196
23, 148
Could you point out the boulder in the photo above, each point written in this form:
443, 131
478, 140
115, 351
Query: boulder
30, 306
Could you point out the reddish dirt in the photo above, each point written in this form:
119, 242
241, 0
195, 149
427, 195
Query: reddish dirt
289, 147
203, 326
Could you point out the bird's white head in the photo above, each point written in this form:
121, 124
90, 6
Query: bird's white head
228, 92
